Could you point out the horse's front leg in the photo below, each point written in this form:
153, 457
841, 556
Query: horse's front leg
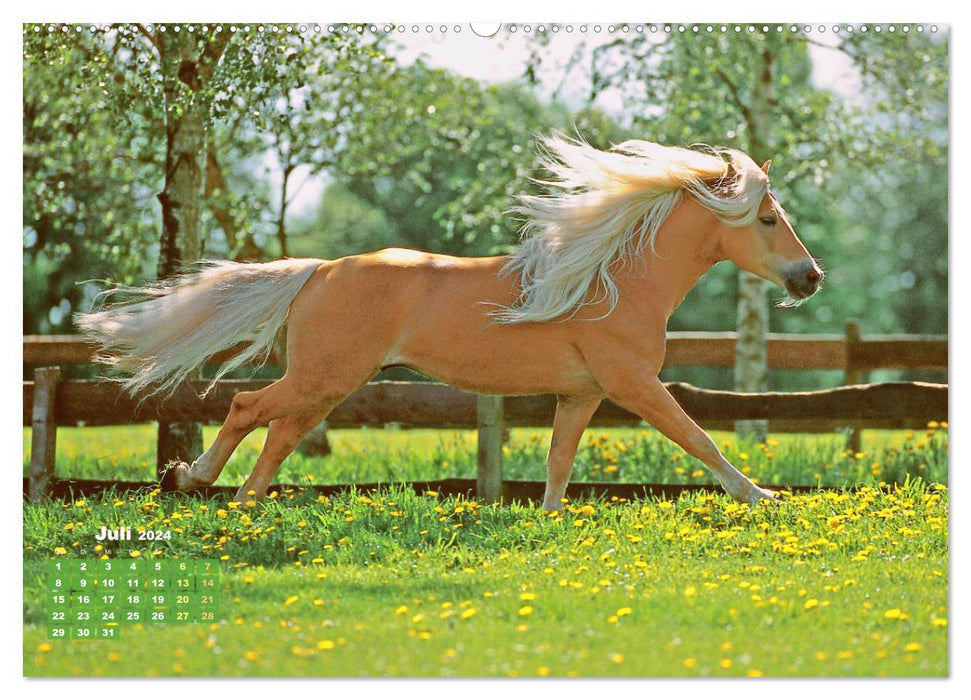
651, 400
572, 416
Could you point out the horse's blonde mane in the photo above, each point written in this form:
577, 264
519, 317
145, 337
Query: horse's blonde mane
604, 207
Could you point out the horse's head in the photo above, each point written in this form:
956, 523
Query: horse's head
768, 247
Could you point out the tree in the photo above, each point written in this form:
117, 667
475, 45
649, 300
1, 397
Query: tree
89, 180
182, 78
442, 157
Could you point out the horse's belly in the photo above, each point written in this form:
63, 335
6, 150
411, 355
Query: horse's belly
510, 370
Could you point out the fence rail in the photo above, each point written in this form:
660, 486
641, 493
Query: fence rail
50, 402
424, 404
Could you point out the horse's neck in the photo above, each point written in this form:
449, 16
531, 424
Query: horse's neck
685, 249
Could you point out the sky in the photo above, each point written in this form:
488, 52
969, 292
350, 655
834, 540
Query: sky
502, 56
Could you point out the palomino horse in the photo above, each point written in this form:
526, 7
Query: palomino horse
579, 310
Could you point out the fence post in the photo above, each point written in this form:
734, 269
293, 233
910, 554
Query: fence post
43, 441
852, 374
489, 421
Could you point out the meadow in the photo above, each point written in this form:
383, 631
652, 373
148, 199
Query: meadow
835, 583
842, 582
635, 455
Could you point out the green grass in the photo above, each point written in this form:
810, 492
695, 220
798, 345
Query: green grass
839, 583
620, 454
827, 584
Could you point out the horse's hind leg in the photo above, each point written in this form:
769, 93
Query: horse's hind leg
282, 438
331, 351
250, 409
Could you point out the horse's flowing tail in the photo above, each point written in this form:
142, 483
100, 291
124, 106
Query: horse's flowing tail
176, 325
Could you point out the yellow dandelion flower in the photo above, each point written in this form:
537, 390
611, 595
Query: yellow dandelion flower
690, 592
469, 612
617, 658
291, 600
811, 603
325, 644
44, 647
690, 662
913, 646
754, 673
526, 610
725, 663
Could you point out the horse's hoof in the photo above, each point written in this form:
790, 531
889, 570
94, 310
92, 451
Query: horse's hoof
245, 494
174, 477
764, 496
755, 495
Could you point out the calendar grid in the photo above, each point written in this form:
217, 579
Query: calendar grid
96, 598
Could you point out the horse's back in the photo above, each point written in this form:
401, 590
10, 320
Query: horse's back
380, 299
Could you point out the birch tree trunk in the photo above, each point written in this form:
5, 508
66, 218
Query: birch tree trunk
186, 122
752, 323
751, 367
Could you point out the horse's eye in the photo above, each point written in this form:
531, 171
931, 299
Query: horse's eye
768, 220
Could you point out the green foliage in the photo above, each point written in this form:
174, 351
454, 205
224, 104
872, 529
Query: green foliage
441, 157
417, 156
345, 224
94, 141
88, 180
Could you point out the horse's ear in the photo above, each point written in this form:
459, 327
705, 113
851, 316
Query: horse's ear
765, 166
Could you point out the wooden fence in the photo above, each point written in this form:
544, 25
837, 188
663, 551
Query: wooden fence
50, 402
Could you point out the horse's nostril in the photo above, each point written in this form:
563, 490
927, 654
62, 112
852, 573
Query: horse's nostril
813, 276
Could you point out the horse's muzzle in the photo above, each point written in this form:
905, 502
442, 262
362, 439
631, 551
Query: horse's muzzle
802, 279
